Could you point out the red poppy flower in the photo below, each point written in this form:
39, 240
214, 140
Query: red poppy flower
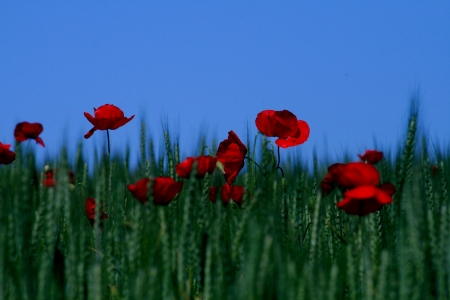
327, 184
25, 131
49, 180
231, 154
164, 190
271, 123
205, 164
106, 117
6, 155
90, 210
300, 136
367, 199
233, 192
284, 125
371, 156
355, 174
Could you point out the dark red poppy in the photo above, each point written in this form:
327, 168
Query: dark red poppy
327, 184
354, 174
212, 194
205, 164
25, 131
233, 192
271, 123
231, 154
90, 210
106, 117
6, 155
434, 170
366, 199
49, 180
371, 156
164, 190
300, 136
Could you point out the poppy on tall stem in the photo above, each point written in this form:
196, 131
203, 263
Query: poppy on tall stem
371, 156
106, 117
284, 125
25, 131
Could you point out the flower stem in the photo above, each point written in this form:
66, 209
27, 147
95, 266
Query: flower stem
252, 161
278, 164
109, 148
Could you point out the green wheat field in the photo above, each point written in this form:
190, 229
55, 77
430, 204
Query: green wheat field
286, 241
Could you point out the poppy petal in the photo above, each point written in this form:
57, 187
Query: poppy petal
90, 132
90, 118
122, 122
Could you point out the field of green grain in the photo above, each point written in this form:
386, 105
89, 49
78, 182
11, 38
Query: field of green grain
285, 242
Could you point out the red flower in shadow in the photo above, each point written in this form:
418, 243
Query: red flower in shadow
231, 154
233, 192
327, 184
366, 199
371, 156
6, 155
205, 164
49, 180
434, 170
164, 190
106, 117
90, 211
25, 131
284, 125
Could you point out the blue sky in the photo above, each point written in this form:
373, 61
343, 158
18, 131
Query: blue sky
207, 67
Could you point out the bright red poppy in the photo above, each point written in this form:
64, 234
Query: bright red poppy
300, 136
284, 125
371, 156
366, 199
205, 164
6, 155
354, 174
106, 117
231, 154
90, 210
25, 131
164, 190
271, 123
233, 192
